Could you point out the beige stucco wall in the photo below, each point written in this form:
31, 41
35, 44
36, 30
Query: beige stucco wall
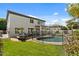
16, 21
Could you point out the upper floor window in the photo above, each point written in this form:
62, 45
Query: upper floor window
38, 22
31, 20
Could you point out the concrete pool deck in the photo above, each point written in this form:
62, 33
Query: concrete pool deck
54, 43
35, 40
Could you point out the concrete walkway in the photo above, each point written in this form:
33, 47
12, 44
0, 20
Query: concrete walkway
4, 36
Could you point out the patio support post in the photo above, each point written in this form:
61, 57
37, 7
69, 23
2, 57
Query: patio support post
40, 30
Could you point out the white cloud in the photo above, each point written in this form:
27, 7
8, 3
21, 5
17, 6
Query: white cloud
63, 21
52, 19
55, 21
65, 9
47, 23
56, 13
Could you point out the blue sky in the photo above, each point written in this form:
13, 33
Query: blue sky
51, 12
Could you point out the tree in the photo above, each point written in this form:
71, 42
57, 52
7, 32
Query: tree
72, 40
3, 24
73, 9
64, 28
73, 25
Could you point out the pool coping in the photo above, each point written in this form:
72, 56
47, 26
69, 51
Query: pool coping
35, 40
53, 43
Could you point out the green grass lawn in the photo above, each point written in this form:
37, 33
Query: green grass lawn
12, 48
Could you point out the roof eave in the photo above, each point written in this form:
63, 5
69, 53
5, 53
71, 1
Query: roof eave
24, 15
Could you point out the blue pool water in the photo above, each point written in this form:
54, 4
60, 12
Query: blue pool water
53, 39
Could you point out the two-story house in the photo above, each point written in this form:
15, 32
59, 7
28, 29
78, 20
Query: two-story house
18, 23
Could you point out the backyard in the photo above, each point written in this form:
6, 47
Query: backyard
30, 48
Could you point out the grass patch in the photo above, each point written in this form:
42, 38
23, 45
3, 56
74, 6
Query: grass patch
12, 48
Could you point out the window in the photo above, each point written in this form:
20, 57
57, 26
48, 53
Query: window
38, 22
18, 30
30, 30
31, 20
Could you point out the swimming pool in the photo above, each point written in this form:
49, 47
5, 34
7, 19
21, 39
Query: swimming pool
53, 39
